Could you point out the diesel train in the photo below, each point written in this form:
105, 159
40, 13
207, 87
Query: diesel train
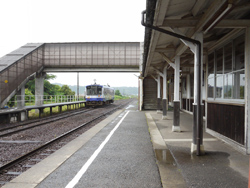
97, 95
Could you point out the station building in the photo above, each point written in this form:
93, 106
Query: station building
218, 83
195, 57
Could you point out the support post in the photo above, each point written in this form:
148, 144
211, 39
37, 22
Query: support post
77, 86
21, 103
159, 94
247, 91
164, 100
39, 89
197, 109
141, 94
176, 115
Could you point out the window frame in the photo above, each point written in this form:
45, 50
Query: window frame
224, 75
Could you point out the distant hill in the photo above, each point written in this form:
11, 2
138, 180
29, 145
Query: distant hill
123, 90
127, 90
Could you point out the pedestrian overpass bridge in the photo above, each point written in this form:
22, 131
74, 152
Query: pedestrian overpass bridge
30, 60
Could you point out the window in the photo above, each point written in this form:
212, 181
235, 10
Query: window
228, 49
228, 86
94, 90
239, 84
226, 75
210, 88
239, 44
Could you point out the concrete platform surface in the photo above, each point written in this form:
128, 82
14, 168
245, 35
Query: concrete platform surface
138, 149
221, 166
118, 154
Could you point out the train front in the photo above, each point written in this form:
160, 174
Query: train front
94, 95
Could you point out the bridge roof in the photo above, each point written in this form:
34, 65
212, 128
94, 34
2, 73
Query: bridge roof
17, 54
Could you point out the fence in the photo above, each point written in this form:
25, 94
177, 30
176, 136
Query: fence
30, 100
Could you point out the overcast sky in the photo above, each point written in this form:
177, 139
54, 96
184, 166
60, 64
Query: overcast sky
32, 21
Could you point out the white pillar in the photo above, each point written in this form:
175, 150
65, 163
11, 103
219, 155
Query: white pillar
164, 100
141, 94
77, 86
247, 90
199, 37
176, 115
158, 86
177, 79
159, 94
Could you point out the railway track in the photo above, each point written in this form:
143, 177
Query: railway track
54, 116
4, 168
28, 125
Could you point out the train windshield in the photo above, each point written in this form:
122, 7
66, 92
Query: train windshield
94, 90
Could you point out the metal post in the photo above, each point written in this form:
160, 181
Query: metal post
77, 86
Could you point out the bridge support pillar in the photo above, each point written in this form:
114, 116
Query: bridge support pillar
21, 103
39, 89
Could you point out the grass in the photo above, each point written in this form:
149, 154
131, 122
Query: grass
55, 110
46, 112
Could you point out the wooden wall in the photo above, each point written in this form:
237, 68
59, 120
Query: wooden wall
187, 104
227, 120
149, 94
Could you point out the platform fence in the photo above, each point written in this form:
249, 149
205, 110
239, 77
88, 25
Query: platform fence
29, 100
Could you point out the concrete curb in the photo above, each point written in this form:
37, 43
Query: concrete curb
170, 174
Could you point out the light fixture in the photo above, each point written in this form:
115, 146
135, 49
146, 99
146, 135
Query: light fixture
219, 17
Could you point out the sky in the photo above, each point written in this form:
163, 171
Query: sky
38, 21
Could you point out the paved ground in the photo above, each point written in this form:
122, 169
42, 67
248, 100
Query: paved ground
127, 159
221, 166
121, 163
139, 149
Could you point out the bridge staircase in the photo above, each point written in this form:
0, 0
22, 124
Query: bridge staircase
17, 67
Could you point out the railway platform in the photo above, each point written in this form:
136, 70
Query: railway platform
138, 149
8, 114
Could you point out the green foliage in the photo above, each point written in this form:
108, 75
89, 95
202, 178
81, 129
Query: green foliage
29, 95
49, 89
242, 92
50, 77
66, 90
31, 86
117, 97
117, 92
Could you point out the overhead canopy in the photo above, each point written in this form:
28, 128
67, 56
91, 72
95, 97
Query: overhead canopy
216, 19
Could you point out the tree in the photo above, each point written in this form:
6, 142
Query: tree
117, 92
66, 90
49, 89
